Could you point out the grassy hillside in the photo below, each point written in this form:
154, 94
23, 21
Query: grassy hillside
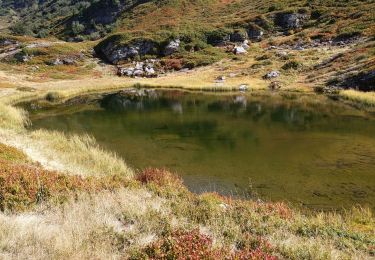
42, 18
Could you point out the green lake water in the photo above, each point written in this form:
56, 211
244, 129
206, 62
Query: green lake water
304, 149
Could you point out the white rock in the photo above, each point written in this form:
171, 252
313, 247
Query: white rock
272, 74
239, 50
243, 87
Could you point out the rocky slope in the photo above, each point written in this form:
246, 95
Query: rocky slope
145, 38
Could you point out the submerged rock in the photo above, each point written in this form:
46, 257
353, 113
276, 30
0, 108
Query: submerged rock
128, 99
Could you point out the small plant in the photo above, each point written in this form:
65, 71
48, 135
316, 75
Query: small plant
182, 245
159, 177
292, 65
53, 96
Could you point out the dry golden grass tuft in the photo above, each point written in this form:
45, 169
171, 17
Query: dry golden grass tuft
365, 98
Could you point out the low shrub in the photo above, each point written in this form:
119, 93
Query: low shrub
192, 244
172, 64
11, 154
53, 96
159, 177
22, 186
292, 65
182, 245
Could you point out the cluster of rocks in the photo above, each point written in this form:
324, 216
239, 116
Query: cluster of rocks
242, 48
8, 42
116, 53
147, 69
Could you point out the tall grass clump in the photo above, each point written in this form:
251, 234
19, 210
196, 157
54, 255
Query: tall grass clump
79, 154
365, 98
12, 117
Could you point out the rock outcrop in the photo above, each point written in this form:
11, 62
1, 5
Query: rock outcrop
291, 20
255, 33
117, 53
172, 47
364, 81
238, 36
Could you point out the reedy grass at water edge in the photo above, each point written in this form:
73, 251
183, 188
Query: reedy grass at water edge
365, 98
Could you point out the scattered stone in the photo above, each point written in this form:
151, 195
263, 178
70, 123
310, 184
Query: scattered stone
299, 48
20, 57
172, 47
69, 61
7, 42
57, 61
272, 74
239, 50
282, 54
221, 78
35, 68
243, 87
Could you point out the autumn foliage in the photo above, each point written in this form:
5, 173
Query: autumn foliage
23, 185
193, 245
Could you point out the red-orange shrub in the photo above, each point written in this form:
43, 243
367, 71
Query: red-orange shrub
160, 177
